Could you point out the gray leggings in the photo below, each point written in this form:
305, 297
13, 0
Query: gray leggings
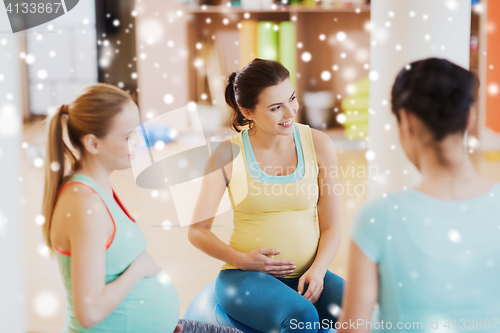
190, 326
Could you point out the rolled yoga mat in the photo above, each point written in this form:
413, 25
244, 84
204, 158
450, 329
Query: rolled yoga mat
267, 40
248, 42
287, 49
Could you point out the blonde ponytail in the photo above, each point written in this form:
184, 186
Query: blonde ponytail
91, 113
54, 170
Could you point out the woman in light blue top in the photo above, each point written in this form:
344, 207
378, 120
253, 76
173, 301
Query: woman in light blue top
429, 256
112, 283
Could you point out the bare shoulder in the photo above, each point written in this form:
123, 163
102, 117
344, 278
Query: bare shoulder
323, 146
79, 208
320, 138
77, 196
222, 157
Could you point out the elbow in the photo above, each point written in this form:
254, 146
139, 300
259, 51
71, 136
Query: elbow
85, 317
192, 235
196, 235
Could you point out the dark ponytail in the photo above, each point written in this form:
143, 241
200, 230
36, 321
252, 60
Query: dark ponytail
238, 119
244, 87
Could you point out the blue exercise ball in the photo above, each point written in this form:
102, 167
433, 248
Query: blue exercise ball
205, 308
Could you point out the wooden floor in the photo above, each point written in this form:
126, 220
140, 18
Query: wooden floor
189, 269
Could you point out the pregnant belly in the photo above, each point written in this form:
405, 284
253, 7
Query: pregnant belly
296, 236
151, 306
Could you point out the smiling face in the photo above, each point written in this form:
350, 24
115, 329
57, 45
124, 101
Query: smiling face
276, 109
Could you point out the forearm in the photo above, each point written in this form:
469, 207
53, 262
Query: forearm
352, 322
112, 295
206, 241
360, 292
329, 243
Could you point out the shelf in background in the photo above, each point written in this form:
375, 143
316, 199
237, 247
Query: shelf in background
336, 134
279, 9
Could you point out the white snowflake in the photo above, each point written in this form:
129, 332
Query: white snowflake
374, 76
306, 57
493, 89
46, 304
3, 224
326, 75
341, 36
370, 155
43, 250
166, 225
9, 124
454, 236
168, 99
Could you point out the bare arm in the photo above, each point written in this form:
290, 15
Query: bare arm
88, 230
328, 202
360, 291
200, 233
328, 217
212, 190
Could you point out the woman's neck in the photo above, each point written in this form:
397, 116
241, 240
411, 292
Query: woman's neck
269, 141
97, 173
449, 172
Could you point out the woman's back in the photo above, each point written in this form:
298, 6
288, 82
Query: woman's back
438, 260
152, 305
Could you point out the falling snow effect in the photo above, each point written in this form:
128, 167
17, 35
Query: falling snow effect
55, 166
306, 57
43, 251
164, 278
3, 224
370, 155
39, 219
46, 304
9, 124
152, 32
167, 225
493, 89
454, 236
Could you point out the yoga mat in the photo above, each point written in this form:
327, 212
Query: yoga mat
248, 42
355, 108
267, 41
358, 133
360, 117
362, 86
356, 102
287, 49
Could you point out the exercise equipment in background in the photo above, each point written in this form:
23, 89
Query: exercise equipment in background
355, 110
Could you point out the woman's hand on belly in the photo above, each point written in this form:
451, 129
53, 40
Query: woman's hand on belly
146, 265
258, 260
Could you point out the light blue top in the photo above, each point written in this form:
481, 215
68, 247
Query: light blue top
437, 259
151, 306
258, 174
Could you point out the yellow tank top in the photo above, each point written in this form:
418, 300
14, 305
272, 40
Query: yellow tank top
280, 215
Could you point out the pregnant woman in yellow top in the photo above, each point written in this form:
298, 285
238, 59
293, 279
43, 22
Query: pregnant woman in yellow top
286, 215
